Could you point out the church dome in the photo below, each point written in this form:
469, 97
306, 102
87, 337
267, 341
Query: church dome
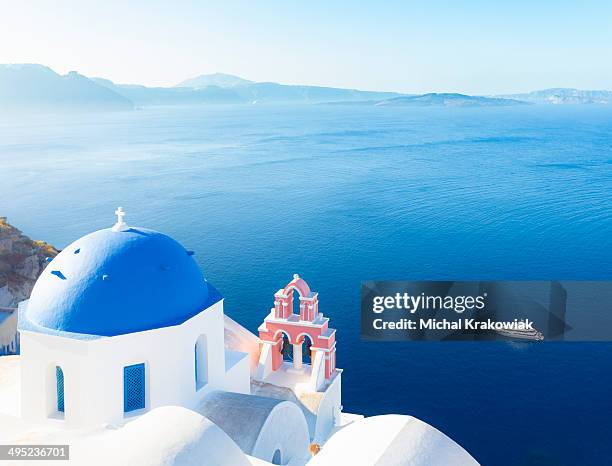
392, 440
117, 281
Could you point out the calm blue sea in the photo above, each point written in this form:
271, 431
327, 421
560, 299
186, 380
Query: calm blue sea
345, 194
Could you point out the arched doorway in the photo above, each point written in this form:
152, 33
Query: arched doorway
302, 351
306, 350
276, 458
295, 297
287, 349
201, 361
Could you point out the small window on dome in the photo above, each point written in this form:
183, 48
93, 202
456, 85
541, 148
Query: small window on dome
58, 274
77, 251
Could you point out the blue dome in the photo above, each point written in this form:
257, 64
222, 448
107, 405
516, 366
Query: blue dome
116, 282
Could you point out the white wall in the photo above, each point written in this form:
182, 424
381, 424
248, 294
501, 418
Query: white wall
237, 364
264, 366
286, 430
93, 370
328, 412
40, 354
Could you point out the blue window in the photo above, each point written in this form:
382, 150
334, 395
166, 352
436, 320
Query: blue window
59, 381
133, 387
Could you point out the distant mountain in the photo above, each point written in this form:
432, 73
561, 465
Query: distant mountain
273, 92
216, 79
143, 96
267, 92
36, 87
564, 96
447, 100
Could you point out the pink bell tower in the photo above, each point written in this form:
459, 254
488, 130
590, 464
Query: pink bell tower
310, 323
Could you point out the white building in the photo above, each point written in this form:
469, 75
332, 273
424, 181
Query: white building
126, 356
120, 322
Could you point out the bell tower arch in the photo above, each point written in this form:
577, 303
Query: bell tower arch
308, 329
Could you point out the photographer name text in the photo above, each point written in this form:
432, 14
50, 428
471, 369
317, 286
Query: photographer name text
444, 324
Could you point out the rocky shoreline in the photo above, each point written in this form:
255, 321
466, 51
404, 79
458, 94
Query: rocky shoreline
21, 262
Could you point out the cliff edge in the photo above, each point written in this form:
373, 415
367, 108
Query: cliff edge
21, 262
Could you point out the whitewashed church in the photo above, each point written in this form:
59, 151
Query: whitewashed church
122, 321
127, 356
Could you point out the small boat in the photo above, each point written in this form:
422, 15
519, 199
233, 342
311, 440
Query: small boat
527, 334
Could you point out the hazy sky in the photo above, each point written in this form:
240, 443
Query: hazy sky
464, 46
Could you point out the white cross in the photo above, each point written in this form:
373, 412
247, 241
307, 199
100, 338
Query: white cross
120, 225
